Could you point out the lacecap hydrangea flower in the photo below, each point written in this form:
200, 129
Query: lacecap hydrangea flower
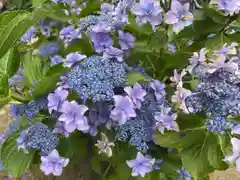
53, 163
141, 165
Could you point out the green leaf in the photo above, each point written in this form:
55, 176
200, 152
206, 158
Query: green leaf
13, 31
90, 8
4, 89
15, 162
81, 45
9, 63
158, 40
38, 3
215, 15
95, 163
198, 160
134, 77
7, 16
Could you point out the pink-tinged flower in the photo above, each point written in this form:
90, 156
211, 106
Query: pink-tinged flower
73, 58
180, 96
53, 163
159, 89
148, 11
56, 99
179, 16
165, 119
126, 40
113, 53
198, 59
136, 93
141, 165
235, 157
73, 116
104, 145
123, 110
220, 62
177, 78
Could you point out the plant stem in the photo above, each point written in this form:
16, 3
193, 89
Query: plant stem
106, 171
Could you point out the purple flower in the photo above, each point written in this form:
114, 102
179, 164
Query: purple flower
53, 163
56, 60
56, 99
236, 129
227, 49
107, 8
120, 12
60, 128
180, 96
179, 16
158, 88
141, 165
123, 110
148, 11
172, 48
29, 35
177, 78
229, 6
63, 82
73, 58
73, 116
112, 52
126, 40
101, 41
164, 120
104, 145
235, 157
69, 33
184, 174
137, 94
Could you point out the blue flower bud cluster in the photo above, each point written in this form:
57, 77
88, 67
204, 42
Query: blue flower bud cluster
218, 95
40, 137
30, 109
96, 77
139, 130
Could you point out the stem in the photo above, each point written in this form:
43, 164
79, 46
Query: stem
106, 171
198, 128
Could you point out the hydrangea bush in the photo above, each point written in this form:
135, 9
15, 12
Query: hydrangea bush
140, 89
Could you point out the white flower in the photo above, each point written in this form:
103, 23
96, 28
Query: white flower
104, 145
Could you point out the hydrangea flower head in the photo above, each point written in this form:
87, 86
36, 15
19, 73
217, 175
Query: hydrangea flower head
101, 41
141, 165
113, 53
136, 93
123, 110
73, 58
126, 40
53, 163
104, 145
148, 11
69, 33
166, 120
56, 99
179, 16
73, 116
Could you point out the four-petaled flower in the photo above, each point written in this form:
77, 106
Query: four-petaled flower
123, 110
73, 116
53, 163
113, 53
148, 11
159, 89
180, 96
73, 58
104, 145
165, 120
126, 40
179, 16
141, 165
136, 93
56, 99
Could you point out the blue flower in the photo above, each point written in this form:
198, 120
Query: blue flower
183, 174
49, 49
29, 35
96, 77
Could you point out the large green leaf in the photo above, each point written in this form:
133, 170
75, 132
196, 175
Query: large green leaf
90, 8
4, 89
38, 3
13, 31
8, 16
134, 77
9, 63
203, 157
15, 161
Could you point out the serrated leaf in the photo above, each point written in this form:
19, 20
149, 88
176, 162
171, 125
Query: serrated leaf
9, 63
13, 31
134, 77
15, 162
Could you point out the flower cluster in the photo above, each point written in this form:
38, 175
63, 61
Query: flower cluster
96, 77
